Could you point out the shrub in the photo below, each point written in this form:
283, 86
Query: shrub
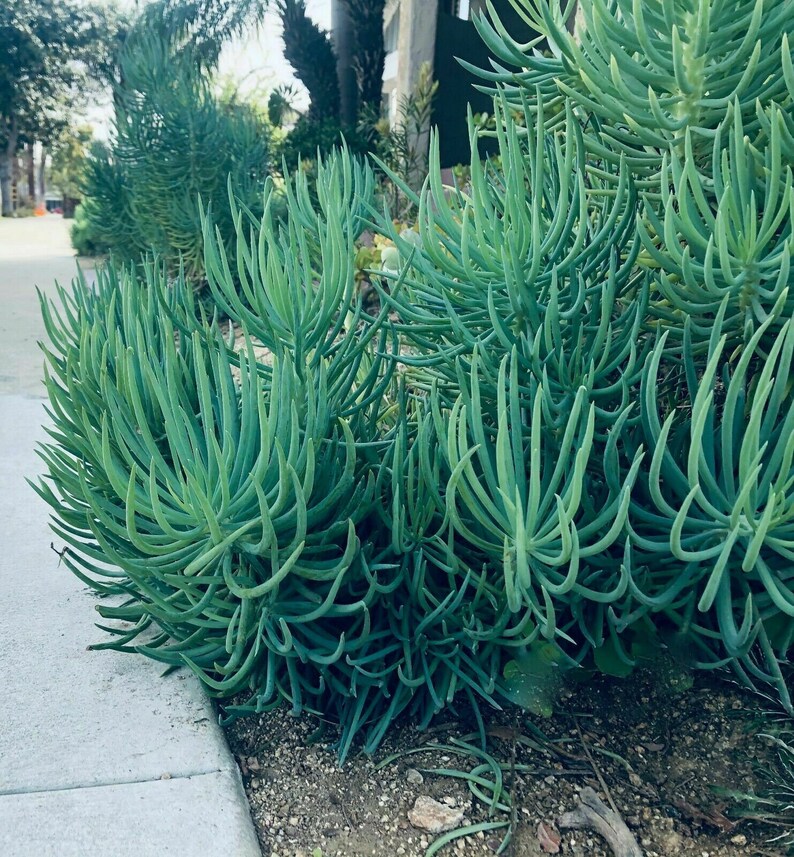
84, 238
565, 439
176, 148
312, 137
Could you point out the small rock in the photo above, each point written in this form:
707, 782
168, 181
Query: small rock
414, 777
634, 779
449, 800
428, 814
739, 839
165, 776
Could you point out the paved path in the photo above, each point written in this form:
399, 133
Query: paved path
99, 755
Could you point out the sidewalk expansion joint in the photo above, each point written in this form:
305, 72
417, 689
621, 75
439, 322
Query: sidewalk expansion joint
111, 783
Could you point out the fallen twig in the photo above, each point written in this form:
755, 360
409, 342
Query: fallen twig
596, 769
593, 814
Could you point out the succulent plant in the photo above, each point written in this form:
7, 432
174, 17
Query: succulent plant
563, 439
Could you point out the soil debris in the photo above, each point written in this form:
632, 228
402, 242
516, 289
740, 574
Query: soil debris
656, 758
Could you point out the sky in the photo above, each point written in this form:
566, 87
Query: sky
256, 61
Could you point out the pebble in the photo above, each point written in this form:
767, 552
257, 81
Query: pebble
414, 777
671, 842
739, 839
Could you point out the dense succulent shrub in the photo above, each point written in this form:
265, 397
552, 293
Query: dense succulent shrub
565, 439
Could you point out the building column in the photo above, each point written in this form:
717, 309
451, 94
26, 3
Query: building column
417, 45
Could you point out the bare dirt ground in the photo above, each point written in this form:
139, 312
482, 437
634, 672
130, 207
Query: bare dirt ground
659, 756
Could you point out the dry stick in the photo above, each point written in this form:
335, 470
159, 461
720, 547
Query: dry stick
593, 814
514, 800
596, 769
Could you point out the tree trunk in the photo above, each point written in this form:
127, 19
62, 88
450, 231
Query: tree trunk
7, 170
342, 30
30, 169
6, 185
41, 191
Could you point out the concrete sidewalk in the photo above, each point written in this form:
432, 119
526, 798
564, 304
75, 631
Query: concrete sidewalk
99, 755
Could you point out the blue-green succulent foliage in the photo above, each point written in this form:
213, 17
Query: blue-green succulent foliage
569, 427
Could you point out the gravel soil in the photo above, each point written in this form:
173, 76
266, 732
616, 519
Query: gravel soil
659, 756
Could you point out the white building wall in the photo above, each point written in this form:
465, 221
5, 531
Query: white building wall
410, 41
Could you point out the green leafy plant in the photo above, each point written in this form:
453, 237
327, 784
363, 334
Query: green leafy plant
771, 803
721, 505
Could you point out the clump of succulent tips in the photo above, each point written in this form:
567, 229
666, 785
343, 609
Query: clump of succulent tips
565, 440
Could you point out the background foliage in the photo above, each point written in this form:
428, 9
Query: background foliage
176, 145
49, 51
